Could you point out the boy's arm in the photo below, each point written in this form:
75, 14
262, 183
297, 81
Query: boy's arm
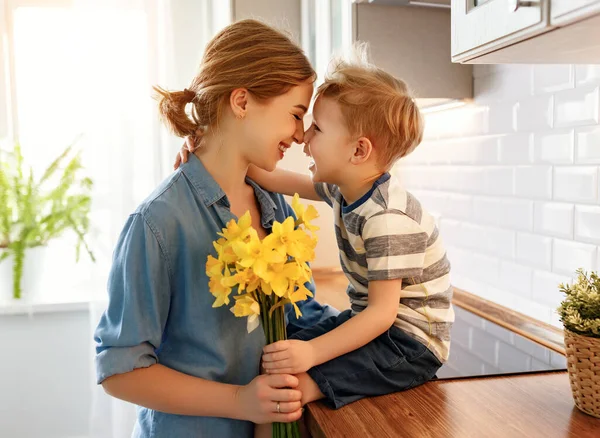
284, 181
294, 356
379, 316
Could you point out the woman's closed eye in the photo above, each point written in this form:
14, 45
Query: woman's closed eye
297, 117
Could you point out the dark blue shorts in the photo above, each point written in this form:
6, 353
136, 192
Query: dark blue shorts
392, 362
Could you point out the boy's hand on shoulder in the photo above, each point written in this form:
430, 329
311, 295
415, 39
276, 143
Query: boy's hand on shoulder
288, 357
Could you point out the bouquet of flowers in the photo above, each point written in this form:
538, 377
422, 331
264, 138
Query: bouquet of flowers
267, 274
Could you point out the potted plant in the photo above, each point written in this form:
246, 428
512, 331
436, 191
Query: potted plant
580, 315
35, 211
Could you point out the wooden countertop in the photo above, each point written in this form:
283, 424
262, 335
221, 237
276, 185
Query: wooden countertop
532, 405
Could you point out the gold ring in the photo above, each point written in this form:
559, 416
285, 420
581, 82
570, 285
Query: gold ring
278, 408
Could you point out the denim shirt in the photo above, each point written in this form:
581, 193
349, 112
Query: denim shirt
160, 308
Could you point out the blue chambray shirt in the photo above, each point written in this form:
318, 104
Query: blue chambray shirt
160, 309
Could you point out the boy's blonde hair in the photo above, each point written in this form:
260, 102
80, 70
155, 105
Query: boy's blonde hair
375, 105
246, 54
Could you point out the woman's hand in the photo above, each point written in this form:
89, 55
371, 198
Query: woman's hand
258, 401
185, 151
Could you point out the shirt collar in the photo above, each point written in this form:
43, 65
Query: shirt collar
211, 192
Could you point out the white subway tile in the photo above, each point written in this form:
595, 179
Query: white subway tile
488, 210
517, 214
465, 121
420, 155
587, 223
587, 74
516, 277
533, 182
568, 256
555, 147
499, 181
502, 118
501, 296
555, 219
555, 320
554, 77
588, 145
534, 250
490, 240
474, 150
576, 183
598, 260
532, 309
516, 149
514, 82
484, 268
534, 114
451, 231
458, 206
468, 284
576, 107
545, 287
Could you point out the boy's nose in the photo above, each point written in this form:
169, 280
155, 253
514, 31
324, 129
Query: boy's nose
307, 135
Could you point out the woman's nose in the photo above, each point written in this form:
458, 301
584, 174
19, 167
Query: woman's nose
299, 135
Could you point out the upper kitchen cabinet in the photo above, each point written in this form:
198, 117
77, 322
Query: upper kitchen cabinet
526, 31
567, 11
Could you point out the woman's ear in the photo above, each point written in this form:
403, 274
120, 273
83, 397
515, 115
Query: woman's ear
363, 148
238, 100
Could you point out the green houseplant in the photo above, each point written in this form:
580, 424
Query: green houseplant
35, 211
580, 315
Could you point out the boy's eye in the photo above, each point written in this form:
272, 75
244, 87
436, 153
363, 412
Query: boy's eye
316, 127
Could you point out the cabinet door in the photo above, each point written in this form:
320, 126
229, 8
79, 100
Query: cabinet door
566, 11
480, 26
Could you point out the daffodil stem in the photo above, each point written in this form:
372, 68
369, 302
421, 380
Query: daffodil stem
274, 327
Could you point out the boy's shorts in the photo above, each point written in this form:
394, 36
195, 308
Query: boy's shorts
392, 362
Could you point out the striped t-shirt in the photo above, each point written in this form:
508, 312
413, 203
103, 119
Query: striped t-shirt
387, 235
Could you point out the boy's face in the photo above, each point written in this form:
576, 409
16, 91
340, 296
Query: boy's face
328, 142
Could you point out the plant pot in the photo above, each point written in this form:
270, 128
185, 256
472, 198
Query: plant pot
583, 365
34, 266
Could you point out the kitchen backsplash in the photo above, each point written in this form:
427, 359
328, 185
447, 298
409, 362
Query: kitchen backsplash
513, 179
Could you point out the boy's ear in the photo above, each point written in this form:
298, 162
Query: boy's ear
363, 148
238, 100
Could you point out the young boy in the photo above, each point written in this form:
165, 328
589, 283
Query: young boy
397, 333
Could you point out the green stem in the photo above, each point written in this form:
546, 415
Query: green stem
19, 256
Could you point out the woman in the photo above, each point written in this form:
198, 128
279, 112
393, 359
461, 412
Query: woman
190, 367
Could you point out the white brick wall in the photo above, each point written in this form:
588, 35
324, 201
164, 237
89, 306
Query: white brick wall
514, 181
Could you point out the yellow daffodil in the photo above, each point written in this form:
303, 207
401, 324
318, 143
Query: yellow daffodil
225, 252
304, 214
267, 273
246, 305
285, 239
245, 280
281, 274
219, 289
256, 255
213, 266
235, 229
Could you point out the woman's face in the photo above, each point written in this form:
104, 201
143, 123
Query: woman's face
270, 128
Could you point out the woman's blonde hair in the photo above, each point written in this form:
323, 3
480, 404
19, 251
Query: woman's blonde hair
375, 105
246, 54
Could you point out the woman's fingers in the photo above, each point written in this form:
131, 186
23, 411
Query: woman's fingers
282, 381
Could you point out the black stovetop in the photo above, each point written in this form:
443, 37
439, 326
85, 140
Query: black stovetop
481, 348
